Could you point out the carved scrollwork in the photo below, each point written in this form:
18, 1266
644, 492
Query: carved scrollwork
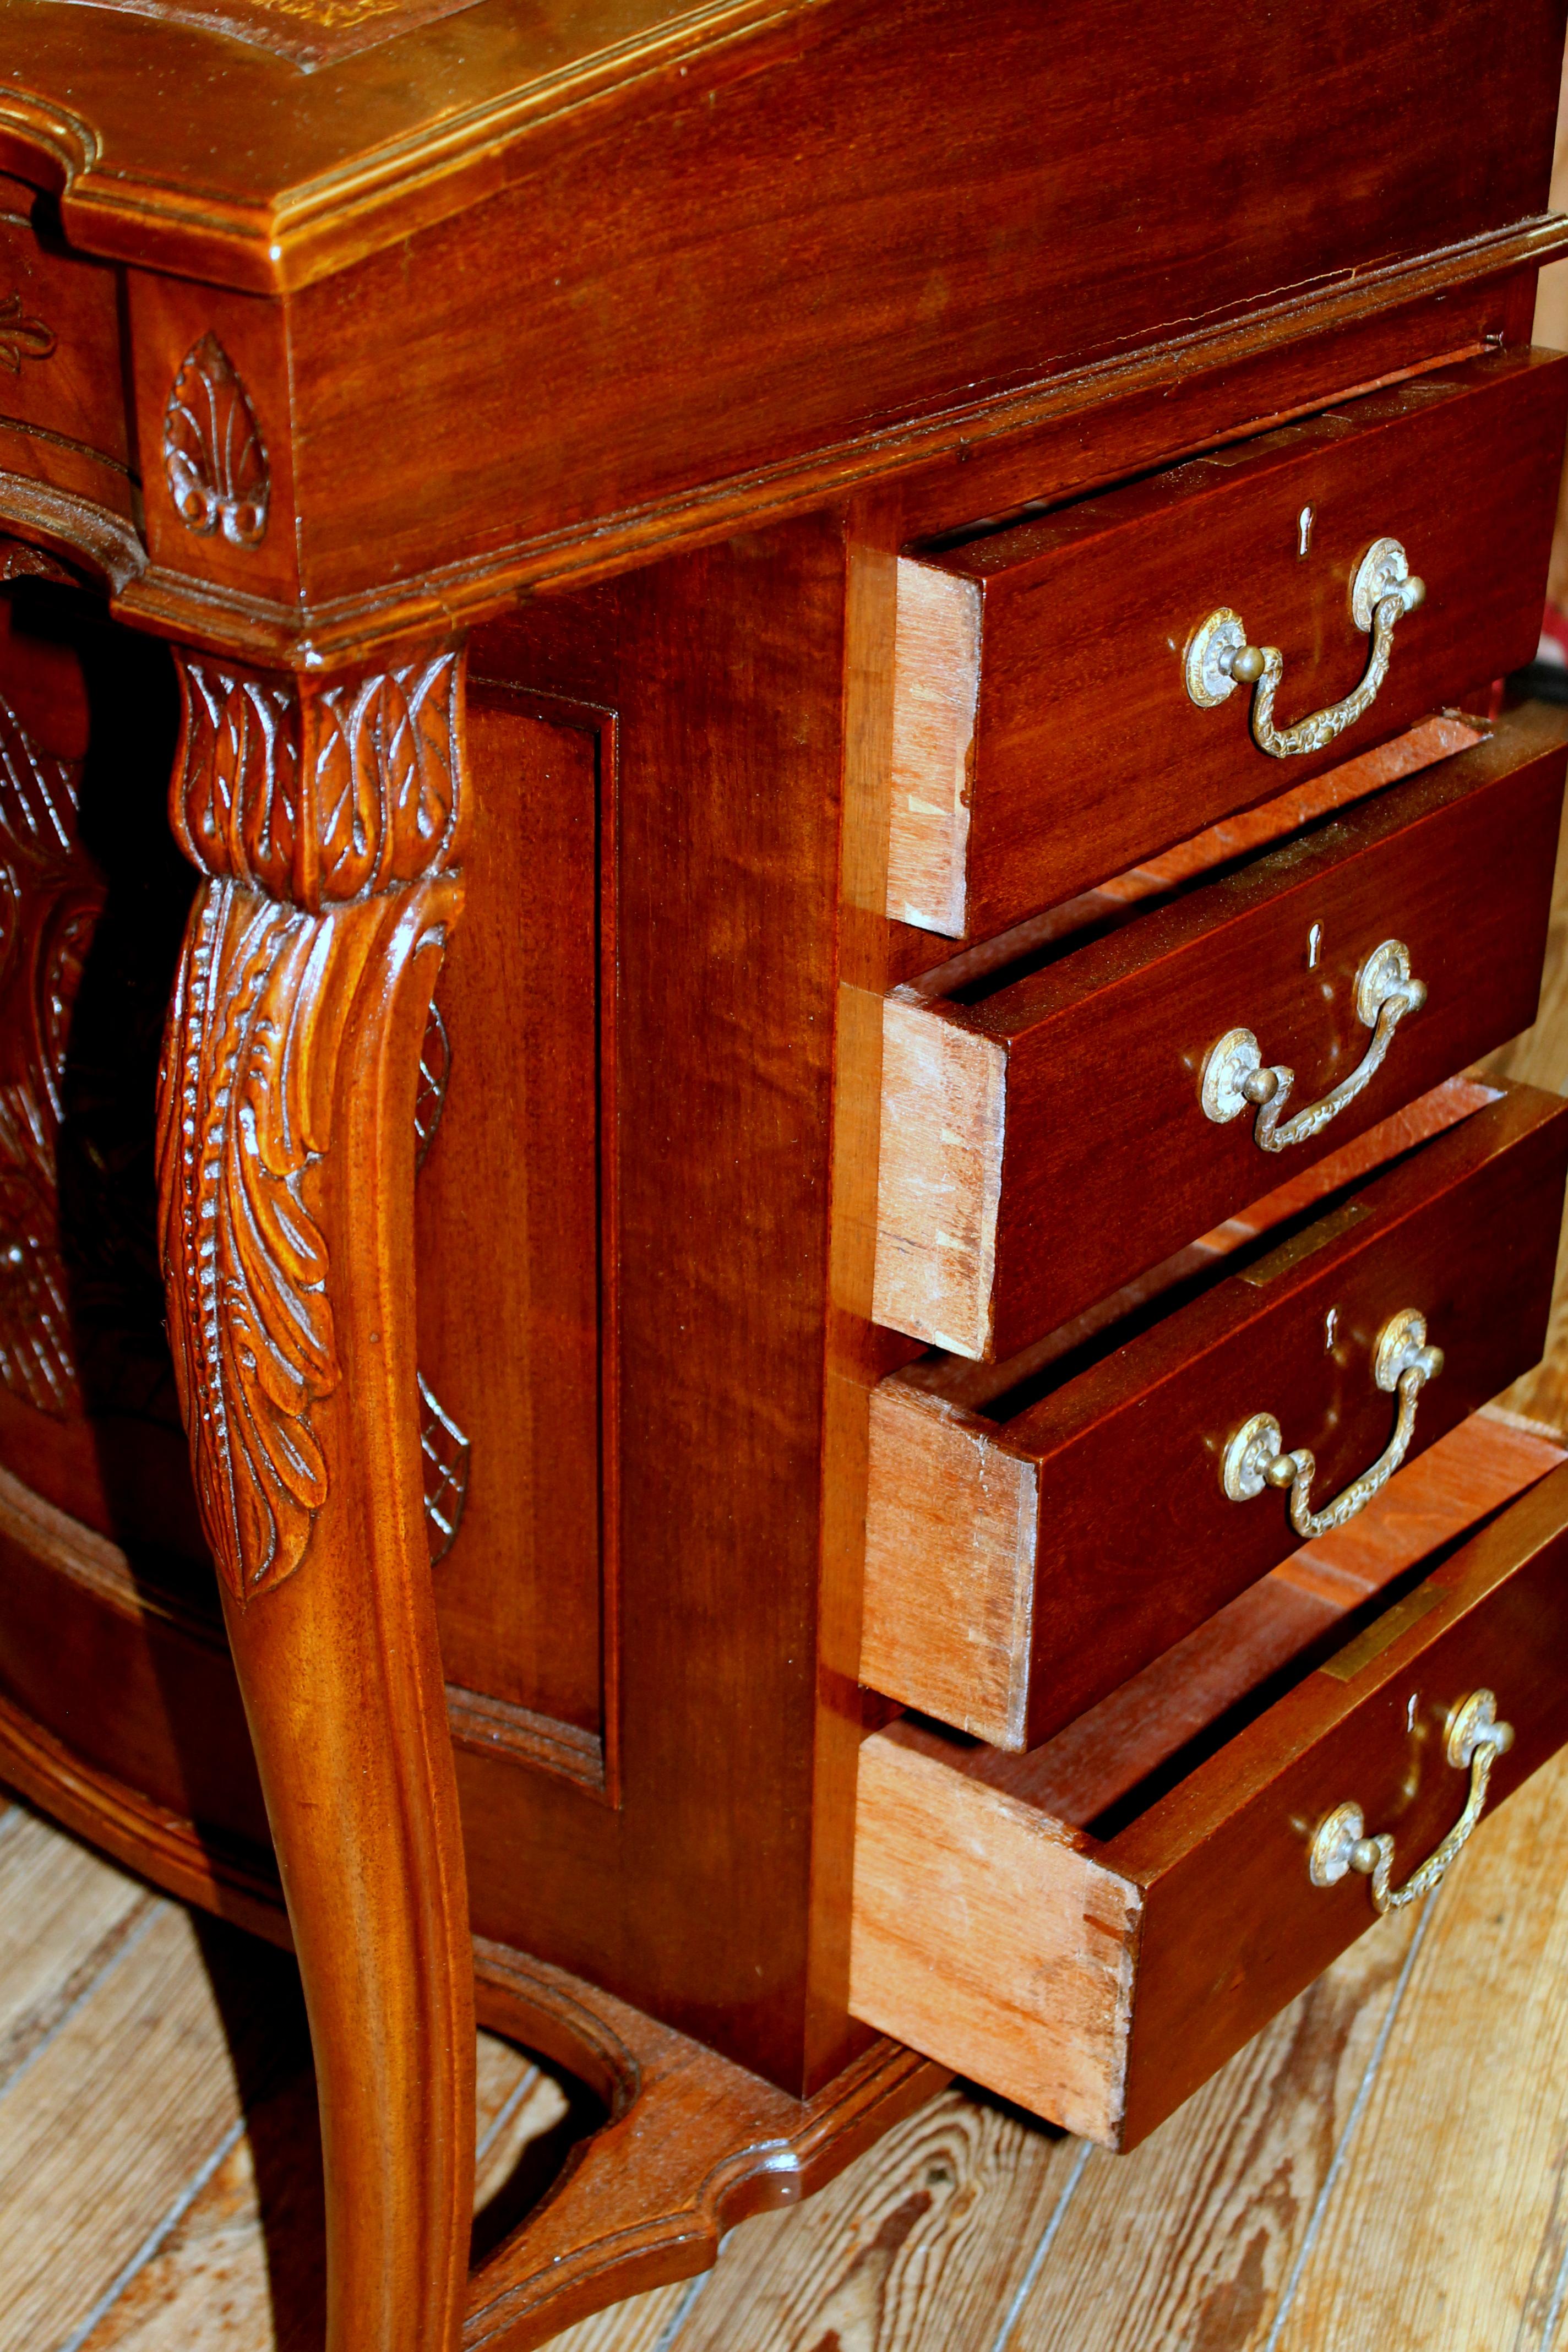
21, 338
18, 561
37, 806
47, 909
307, 910
214, 459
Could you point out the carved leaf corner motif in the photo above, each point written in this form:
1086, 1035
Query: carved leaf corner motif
242, 1251
213, 456
385, 781
237, 794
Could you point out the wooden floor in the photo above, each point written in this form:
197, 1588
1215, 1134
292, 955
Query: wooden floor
1385, 2169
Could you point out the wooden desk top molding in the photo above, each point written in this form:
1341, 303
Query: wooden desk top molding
347, 221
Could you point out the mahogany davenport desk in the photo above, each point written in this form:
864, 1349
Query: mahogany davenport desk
829, 894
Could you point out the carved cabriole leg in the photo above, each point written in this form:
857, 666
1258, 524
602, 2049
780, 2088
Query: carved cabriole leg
327, 817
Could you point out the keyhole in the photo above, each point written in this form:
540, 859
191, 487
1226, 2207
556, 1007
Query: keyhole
1304, 532
1314, 945
1330, 1329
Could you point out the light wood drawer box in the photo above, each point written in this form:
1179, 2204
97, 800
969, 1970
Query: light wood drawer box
1093, 1929
1043, 1129
1043, 737
1028, 1551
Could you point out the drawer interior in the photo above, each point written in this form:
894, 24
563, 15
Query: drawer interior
1026, 1098
1035, 666
1094, 1928
1343, 1597
978, 971
1037, 1531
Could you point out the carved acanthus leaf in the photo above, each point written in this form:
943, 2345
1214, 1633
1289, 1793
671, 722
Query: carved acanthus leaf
315, 810
242, 1128
213, 456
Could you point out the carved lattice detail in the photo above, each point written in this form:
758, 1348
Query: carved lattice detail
435, 1067
213, 456
444, 1454
311, 809
48, 905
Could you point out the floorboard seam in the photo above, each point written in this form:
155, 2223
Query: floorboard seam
1554, 2309
156, 1909
507, 2109
1047, 2239
1337, 2161
678, 2317
150, 2244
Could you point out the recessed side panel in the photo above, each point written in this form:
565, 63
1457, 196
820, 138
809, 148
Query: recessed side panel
508, 1230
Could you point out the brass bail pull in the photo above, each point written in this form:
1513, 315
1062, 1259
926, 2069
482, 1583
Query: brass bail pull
1218, 658
1237, 1078
1475, 1739
1254, 1458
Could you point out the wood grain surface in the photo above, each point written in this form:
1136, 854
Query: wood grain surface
1004, 1597
1105, 1045
1463, 2160
1382, 2164
1150, 1949
936, 681
1076, 665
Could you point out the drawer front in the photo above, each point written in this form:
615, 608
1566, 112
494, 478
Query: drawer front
1100, 1983
1043, 737
1043, 1144
62, 396
1007, 1583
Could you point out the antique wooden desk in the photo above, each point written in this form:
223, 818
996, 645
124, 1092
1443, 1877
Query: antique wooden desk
775, 1223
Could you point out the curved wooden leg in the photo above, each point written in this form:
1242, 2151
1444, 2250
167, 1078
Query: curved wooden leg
326, 815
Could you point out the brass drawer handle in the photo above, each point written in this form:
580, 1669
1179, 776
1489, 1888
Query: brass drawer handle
1219, 658
1402, 1364
1475, 1738
1236, 1076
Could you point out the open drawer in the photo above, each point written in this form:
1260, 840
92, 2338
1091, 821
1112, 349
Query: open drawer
1043, 732
1038, 1530
1053, 1123
1094, 1927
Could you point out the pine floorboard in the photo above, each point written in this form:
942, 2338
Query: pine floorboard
1384, 2169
